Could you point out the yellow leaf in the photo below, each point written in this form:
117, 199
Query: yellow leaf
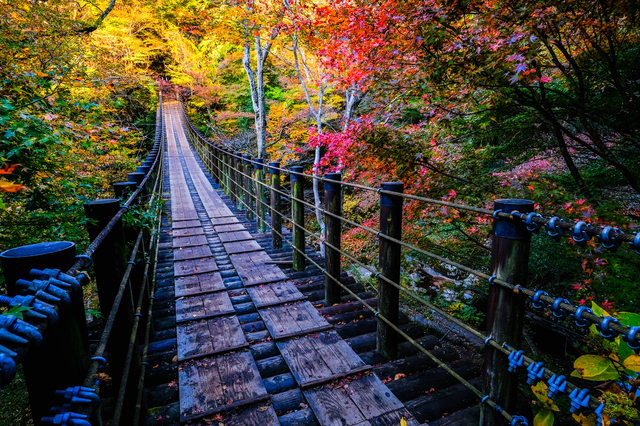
632, 363
403, 422
544, 418
591, 365
583, 420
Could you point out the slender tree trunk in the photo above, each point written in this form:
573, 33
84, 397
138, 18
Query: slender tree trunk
575, 173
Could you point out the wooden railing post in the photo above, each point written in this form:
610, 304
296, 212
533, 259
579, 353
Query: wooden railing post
109, 264
238, 178
261, 198
276, 207
248, 185
333, 229
297, 216
389, 258
231, 176
505, 310
215, 163
225, 168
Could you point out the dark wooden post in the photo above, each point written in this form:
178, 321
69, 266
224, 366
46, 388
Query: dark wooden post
333, 229
505, 310
123, 190
237, 176
215, 153
261, 198
248, 186
276, 208
109, 264
231, 176
225, 170
297, 216
389, 258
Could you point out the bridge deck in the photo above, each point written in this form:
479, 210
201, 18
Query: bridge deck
217, 372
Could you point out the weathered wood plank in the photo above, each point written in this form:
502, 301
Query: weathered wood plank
198, 339
242, 247
224, 221
207, 385
261, 415
187, 232
198, 284
228, 237
333, 407
193, 267
392, 419
293, 319
196, 240
274, 294
234, 227
185, 224
195, 252
252, 269
204, 306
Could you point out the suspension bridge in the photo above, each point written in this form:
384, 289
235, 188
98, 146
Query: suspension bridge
219, 314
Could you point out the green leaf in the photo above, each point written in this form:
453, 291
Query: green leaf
624, 350
545, 418
591, 365
597, 310
17, 311
629, 318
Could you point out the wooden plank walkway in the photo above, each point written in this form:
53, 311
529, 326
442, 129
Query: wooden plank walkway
216, 372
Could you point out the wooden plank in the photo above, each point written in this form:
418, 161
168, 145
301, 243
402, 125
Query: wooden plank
319, 358
304, 361
193, 267
186, 232
366, 401
242, 247
197, 339
198, 284
252, 269
333, 407
262, 415
392, 419
372, 397
185, 224
195, 252
204, 306
224, 221
228, 237
197, 240
274, 294
293, 320
228, 228
205, 390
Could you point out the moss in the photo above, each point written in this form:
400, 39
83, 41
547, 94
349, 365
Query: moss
14, 401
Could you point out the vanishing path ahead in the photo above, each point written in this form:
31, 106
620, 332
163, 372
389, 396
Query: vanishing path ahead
235, 309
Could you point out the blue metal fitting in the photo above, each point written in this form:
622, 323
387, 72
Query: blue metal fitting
635, 244
553, 230
578, 234
87, 260
536, 299
131, 262
491, 278
7, 351
605, 330
137, 314
632, 338
556, 310
519, 420
66, 419
40, 288
7, 369
582, 322
609, 241
79, 395
531, 225
579, 400
484, 399
39, 310
486, 341
495, 214
598, 412
516, 359
102, 360
557, 385
15, 330
535, 372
